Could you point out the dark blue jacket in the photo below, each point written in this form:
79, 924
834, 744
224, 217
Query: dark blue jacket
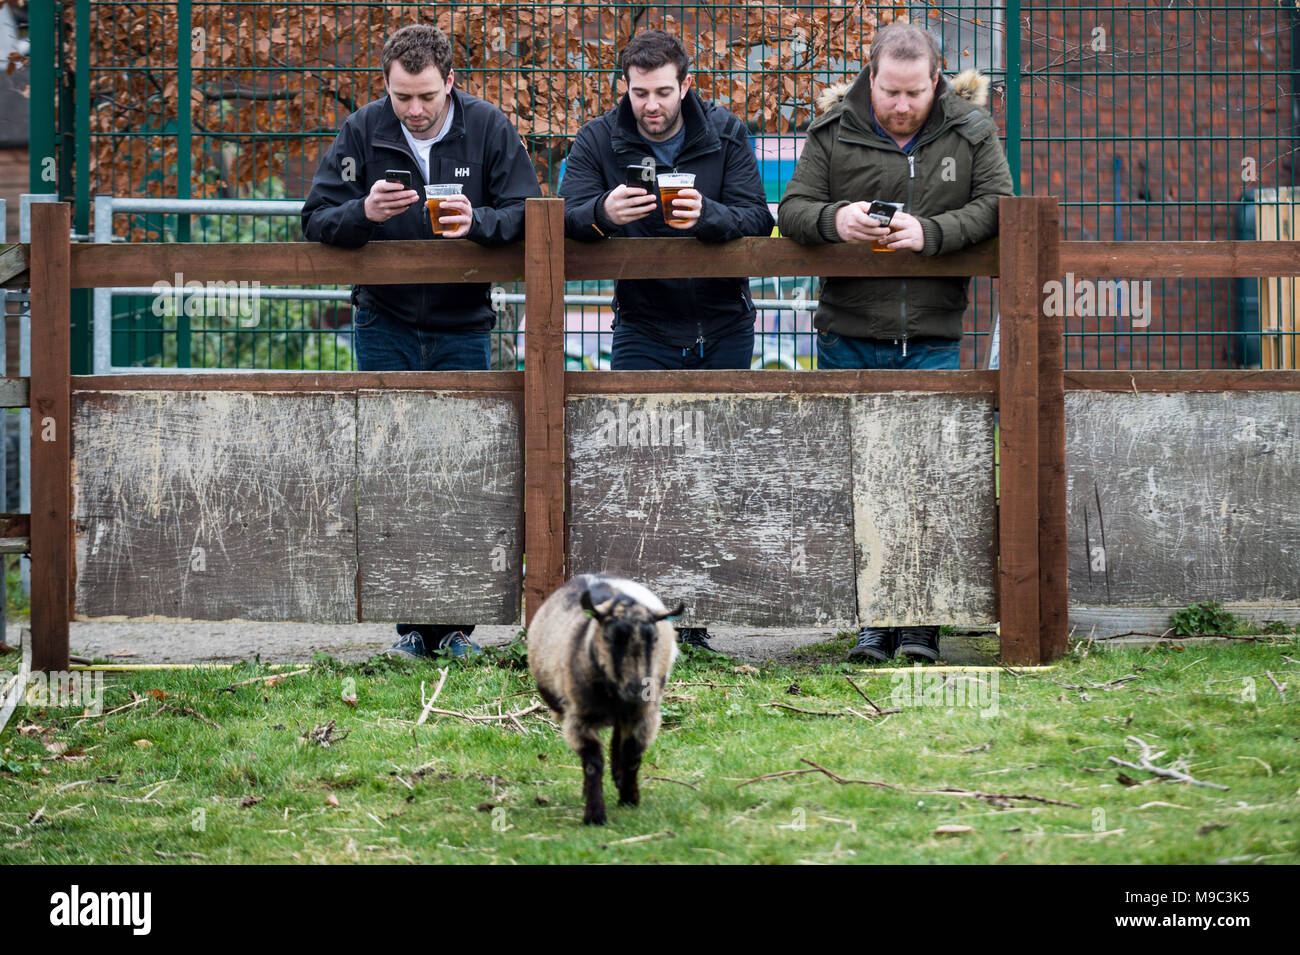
678, 312
482, 151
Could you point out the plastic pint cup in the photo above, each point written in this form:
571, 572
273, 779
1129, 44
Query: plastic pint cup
670, 184
433, 198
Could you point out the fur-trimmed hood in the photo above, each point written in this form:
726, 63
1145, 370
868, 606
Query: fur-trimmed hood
971, 85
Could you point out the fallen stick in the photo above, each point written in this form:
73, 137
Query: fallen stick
871, 704
1144, 764
993, 797
667, 833
187, 711
784, 772
428, 707
271, 680
490, 718
845, 782
666, 779
1281, 688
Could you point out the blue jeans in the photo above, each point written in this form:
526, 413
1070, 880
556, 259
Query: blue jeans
383, 343
840, 351
634, 350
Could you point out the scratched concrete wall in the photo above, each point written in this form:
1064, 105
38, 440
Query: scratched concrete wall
748, 511
924, 509
205, 505
440, 485
1174, 499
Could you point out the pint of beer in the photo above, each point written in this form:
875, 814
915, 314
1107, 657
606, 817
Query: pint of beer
433, 198
670, 184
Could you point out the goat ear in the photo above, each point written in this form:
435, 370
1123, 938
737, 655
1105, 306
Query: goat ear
588, 606
681, 609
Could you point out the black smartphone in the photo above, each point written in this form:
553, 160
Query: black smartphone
398, 175
641, 177
882, 212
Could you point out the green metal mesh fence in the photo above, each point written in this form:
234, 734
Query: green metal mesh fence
1148, 120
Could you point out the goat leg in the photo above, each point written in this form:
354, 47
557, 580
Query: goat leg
593, 768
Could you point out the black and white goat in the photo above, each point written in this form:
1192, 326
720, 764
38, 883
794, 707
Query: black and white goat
600, 650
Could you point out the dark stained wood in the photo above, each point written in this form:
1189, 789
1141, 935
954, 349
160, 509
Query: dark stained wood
860, 381
544, 401
212, 506
51, 436
1179, 260
1155, 382
13, 263
305, 381
688, 258
296, 263
1020, 300
1053, 545
740, 506
923, 508
440, 482
15, 525
15, 392
1179, 498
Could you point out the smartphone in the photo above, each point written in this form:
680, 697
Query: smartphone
882, 212
641, 177
398, 175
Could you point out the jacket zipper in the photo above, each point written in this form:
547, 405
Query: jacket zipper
902, 305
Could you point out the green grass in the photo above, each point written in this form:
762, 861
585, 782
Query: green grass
451, 791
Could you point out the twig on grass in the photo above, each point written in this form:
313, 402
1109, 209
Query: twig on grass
428, 707
178, 855
183, 709
666, 779
666, 834
491, 717
879, 711
1146, 763
1281, 688
845, 782
273, 679
784, 772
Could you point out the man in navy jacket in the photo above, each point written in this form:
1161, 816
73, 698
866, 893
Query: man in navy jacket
427, 127
663, 123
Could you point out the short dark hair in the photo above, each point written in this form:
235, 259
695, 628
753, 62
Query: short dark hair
651, 49
904, 41
418, 47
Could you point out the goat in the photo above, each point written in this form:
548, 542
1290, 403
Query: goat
600, 651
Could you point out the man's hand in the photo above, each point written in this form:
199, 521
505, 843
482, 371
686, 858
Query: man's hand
627, 204
387, 199
461, 215
905, 234
685, 212
854, 225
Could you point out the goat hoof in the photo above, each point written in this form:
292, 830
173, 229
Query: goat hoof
594, 819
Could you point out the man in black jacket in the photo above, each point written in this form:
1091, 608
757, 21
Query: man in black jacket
438, 135
663, 124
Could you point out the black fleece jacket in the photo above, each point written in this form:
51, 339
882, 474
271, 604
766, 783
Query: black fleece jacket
678, 312
482, 151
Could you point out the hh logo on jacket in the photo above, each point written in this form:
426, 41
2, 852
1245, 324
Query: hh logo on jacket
462, 171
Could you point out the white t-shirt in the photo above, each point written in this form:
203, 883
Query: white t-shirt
422, 147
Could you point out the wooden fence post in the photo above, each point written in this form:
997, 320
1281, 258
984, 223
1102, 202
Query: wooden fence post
544, 476
1019, 307
51, 424
1053, 563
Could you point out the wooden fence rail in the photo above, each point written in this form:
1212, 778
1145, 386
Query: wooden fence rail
1029, 388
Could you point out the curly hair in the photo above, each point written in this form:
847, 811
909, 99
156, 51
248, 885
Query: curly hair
417, 47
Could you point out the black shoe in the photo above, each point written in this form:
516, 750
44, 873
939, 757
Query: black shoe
876, 644
919, 643
695, 637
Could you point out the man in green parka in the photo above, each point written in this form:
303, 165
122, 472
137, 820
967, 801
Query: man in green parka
905, 135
